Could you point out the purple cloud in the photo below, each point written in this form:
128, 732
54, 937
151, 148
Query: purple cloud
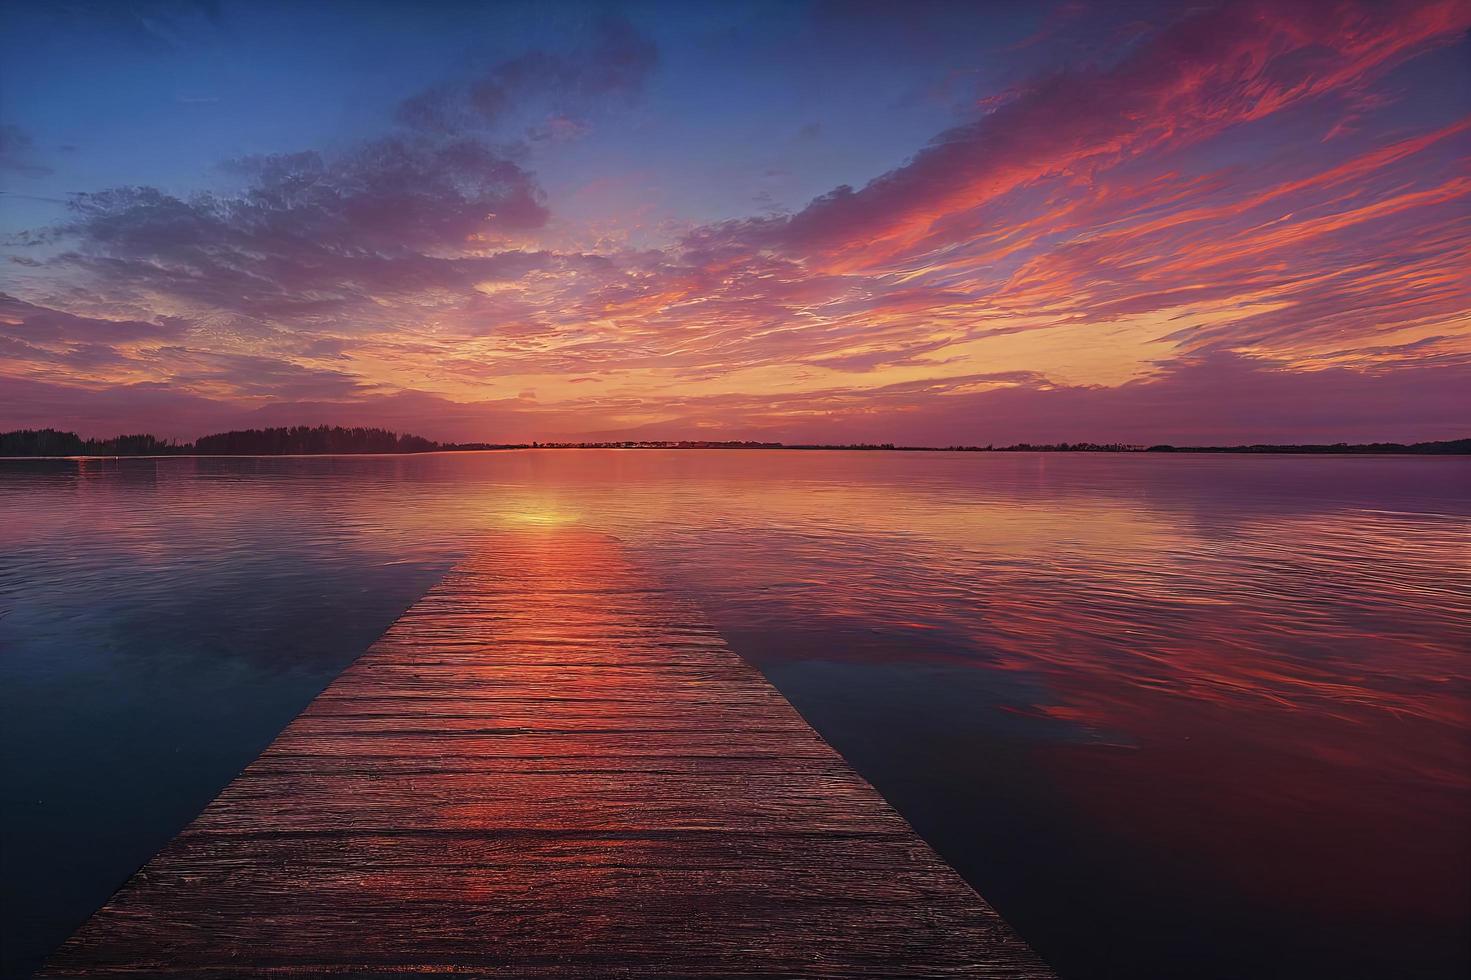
614, 61
308, 235
39, 324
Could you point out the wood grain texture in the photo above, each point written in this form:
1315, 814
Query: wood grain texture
548, 767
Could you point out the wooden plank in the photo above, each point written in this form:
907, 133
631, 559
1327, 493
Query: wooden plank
548, 767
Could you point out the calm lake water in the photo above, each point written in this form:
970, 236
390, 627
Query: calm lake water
1173, 716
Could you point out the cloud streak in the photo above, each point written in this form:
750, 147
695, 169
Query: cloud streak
612, 62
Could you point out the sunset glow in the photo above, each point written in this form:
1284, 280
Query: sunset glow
966, 223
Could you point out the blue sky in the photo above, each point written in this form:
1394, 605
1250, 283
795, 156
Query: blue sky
751, 106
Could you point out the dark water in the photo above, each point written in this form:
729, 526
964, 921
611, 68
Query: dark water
1173, 716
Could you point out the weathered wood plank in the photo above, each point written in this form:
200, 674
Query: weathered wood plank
548, 767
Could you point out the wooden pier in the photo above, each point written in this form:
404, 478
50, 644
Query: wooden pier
548, 767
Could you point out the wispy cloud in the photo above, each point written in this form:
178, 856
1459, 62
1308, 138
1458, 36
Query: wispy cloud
18, 153
612, 62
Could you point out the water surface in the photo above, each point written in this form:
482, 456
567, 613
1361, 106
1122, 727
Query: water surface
1173, 716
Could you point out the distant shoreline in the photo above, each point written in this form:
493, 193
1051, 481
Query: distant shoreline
337, 441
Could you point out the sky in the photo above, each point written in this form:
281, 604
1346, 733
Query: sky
927, 223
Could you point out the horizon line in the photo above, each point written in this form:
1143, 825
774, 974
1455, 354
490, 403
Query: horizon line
410, 444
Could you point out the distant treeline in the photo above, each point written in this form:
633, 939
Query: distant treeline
52, 442
1054, 447
298, 440
303, 441
320, 440
1450, 447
